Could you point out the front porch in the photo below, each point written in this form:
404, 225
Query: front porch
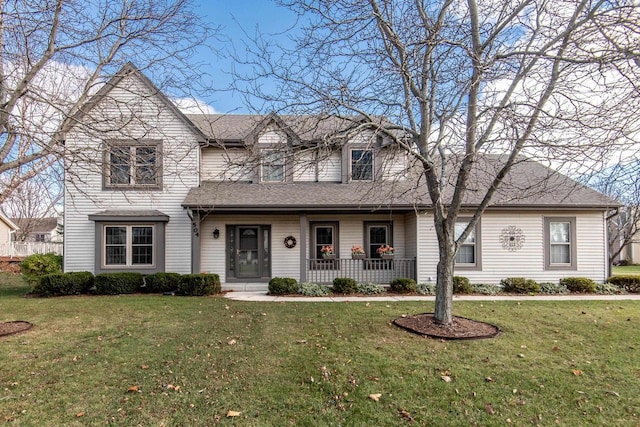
368, 270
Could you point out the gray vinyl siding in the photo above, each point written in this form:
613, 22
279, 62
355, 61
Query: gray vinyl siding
84, 194
498, 263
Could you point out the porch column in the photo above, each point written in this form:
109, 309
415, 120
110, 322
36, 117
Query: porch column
303, 248
195, 243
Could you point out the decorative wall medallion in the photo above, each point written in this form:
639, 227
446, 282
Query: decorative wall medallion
512, 238
290, 242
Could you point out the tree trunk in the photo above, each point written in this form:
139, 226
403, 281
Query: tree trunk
444, 283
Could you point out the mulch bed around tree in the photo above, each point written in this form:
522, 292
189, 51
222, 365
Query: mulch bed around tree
10, 328
461, 328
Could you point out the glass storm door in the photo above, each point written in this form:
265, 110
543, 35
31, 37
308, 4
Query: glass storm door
248, 257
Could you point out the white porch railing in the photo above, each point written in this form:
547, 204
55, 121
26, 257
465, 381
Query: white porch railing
20, 249
372, 270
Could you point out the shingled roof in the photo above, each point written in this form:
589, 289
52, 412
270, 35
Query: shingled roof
528, 185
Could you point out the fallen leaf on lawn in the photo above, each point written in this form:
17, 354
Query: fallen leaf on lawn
577, 372
80, 414
133, 389
446, 378
144, 367
233, 414
521, 356
615, 393
407, 416
490, 380
231, 342
489, 409
376, 396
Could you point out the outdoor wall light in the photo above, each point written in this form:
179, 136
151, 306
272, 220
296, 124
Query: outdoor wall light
216, 233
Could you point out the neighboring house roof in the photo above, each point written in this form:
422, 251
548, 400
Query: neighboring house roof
37, 225
528, 185
126, 70
11, 224
243, 128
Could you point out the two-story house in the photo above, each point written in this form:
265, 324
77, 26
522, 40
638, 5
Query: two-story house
250, 197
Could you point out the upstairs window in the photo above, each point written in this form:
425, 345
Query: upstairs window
361, 165
273, 166
133, 166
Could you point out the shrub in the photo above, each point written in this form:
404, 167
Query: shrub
426, 288
461, 285
283, 286
313, 290
608, 289
72, 283
485, 289
520, 285
402, 285
628, 283
198, 285
370, 288
344, 285
161, 282
117, 283
553, 288
37, 265
579, 284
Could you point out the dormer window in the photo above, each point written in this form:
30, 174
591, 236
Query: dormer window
273, 166
361, 165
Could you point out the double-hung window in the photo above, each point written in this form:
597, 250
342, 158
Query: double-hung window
133, 165
378, 234
128, 245
273, 166
361, 165
324, 235
560, 242
468, 255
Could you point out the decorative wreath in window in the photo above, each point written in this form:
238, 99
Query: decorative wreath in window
512, 238
290, 242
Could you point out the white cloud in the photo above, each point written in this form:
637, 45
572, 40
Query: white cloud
193, 106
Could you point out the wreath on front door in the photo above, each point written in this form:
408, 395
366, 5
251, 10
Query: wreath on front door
290, 242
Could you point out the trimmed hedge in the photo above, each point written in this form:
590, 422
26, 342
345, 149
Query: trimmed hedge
403, 285
520, 285
158, 283
283, 286
118, 283
628, 283
72, 283
345, 285
579, 284
461, 285
197, 285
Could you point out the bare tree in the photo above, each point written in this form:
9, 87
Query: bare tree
621, 182
457, 79
54, 54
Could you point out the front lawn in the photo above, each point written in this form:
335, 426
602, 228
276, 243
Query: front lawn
626, 270
154, 360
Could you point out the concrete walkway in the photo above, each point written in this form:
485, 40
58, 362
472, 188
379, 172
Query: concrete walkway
262, 296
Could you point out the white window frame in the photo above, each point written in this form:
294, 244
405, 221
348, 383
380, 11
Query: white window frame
129, 246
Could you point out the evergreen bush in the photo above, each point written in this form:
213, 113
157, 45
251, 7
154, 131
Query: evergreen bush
198, 285
118, 283
283, 286
345, 285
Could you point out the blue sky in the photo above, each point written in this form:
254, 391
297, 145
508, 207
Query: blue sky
234, 17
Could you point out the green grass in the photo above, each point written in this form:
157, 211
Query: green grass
194, 359
626, 270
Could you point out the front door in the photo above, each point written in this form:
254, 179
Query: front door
249, 251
